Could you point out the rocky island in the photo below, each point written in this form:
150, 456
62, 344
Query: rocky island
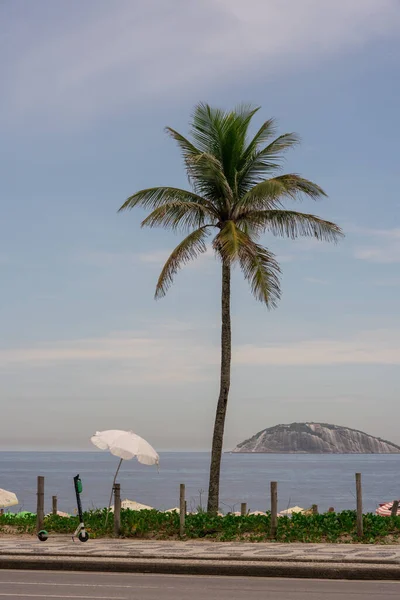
315, 438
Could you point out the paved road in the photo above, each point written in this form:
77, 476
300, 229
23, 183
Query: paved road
110, 586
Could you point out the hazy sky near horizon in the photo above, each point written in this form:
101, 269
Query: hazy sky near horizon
87, 88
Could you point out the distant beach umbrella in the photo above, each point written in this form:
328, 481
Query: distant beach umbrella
290, 511
133, 505
59, 513
385, 510
7, 499
126, 445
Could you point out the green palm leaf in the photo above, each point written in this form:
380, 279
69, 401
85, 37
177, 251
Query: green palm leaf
262, 271
271, 193
267, 160
227, 242
180, 215
292, 224
190, 248
159, 196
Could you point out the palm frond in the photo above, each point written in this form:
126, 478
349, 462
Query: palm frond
262, 271
206, 129
160, 196
187, 148
292, 224
234, 139
222, 134
256, 166
227, 242
207, 173
266, 131
188, 249
181, 215
271, 192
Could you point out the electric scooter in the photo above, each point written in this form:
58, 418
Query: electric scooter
80, 531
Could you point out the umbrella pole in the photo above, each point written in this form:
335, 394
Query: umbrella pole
112, 489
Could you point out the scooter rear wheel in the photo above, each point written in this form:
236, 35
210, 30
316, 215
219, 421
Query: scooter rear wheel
83, 537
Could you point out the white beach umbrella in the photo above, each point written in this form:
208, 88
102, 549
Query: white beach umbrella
291, 511
7, 499
133, 505
126, 445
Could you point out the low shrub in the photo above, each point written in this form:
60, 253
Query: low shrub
152, 524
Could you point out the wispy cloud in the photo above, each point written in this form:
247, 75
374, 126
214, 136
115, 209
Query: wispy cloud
370, 347
177, 356
117, 359
316, 280
85, 60
385, 247
387, 282
157, 258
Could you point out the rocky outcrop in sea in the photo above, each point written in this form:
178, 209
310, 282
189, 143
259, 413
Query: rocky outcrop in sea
315, 438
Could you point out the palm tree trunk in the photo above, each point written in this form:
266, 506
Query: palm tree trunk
219, 426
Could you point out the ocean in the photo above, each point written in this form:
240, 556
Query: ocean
303, 480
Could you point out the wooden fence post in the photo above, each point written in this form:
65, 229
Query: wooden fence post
54, 505
395, 508
359, 506
274, 509
40, 504
243, 509
182, 512
314, 509
117, 509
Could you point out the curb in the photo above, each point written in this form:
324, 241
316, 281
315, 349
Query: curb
207, 567
208, 558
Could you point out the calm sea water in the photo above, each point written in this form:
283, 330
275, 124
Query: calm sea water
302, 479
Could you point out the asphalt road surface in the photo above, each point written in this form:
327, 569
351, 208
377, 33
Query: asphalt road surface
124, 586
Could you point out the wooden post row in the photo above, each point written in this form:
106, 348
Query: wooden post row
182, 510
117, 509
274, 509
40, 504
359, 505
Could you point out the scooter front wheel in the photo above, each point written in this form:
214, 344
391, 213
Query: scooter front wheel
43, 535
83, 537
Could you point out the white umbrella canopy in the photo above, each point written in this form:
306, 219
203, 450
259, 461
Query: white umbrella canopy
7, 499
291, 511
126, 445
133, 505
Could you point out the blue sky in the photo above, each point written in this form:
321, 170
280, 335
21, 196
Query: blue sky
87, 89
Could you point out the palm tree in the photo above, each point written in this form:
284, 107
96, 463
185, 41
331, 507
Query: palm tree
236, 192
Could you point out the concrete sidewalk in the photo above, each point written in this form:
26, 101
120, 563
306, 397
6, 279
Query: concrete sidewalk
345, 561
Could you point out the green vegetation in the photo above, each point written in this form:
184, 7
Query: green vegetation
151, 524
237, 196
